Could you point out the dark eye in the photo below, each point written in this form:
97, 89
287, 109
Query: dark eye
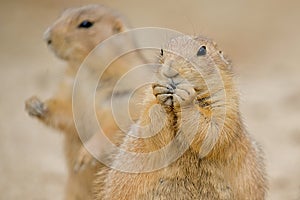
161, 52
201, 51
85, 24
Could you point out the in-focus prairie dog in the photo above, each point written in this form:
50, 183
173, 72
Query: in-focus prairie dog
196, 100
72, 37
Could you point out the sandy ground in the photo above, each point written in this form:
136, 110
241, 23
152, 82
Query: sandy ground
262, 39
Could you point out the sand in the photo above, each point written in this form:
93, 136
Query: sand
262, 39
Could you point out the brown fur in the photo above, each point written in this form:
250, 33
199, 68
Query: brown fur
229, 167
73, 44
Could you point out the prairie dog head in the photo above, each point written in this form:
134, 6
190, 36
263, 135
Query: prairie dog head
78, 30
198, 62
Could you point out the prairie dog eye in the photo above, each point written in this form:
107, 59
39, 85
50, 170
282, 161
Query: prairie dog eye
161, 52
85, 24
201, 51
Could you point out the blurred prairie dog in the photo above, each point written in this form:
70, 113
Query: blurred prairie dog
189, 102
72, 37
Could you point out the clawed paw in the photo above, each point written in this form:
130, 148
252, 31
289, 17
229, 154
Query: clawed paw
35, 107
174, 94
163, 93
184, 94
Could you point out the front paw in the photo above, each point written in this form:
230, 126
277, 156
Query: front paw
35, 107
174, 94
163, 93
184, 94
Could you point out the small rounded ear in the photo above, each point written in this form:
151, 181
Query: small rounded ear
119, 26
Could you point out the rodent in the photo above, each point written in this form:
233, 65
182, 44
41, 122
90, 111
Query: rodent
221, 161
72, 37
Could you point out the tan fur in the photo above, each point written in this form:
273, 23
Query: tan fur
221, 161
73, 44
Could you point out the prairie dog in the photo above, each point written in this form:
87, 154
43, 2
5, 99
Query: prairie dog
195, 102
72, 37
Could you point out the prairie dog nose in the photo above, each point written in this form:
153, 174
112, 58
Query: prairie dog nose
47, 36
168, 71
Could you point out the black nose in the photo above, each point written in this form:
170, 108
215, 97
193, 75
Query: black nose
49, 42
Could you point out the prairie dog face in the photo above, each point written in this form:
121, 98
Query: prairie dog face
196, 60
79, 30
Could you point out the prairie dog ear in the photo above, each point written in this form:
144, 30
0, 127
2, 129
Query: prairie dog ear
119, 26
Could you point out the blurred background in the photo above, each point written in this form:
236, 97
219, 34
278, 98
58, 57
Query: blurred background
261, 38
